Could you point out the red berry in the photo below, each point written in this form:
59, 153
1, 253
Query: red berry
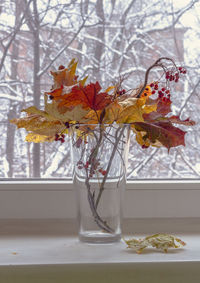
184, 72
104, 172
163, 89
180, 69
167, 91
62, 140
144, 146
61, 67
156, 87
152, 85
153, 92
67, 124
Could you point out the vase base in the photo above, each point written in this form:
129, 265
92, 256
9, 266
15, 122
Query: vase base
97, 237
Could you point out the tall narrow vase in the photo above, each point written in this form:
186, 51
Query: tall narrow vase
99, 156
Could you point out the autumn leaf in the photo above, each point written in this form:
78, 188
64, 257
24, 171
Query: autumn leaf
65, 76
88, 96
112, 112
31, 137
56, 93
163, 108
176, 119
164, 132
33, 110
64, 114
133, 110
39, 125
158, 241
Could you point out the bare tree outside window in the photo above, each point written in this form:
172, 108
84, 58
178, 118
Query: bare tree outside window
110, 39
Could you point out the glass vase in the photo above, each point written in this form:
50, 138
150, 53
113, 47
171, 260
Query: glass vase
99, 154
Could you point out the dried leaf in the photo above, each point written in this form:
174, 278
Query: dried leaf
159, 241
164, 132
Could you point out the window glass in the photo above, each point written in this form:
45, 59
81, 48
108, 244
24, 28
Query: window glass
111, 40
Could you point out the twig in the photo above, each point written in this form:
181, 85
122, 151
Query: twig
109, 165
156, 64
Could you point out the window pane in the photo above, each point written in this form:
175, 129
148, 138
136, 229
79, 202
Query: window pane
110, 39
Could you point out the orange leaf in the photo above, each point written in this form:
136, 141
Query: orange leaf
65, 76
88, 96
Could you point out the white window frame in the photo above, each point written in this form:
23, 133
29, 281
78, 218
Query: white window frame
142, 199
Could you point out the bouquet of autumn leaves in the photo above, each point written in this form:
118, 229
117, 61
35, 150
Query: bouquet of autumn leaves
72, 102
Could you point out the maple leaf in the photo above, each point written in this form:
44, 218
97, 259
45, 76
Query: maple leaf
36, 138
64, 114
112, 112
133, 110
33, 110
163, 108
39, 125
88, 96
65, 76
157, 129
164, 132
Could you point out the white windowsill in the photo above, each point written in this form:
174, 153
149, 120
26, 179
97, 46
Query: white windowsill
49, 251
40, 242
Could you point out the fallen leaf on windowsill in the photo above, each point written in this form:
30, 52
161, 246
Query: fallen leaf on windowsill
159, 241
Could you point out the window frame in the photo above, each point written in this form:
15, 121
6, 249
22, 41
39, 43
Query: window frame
53, 199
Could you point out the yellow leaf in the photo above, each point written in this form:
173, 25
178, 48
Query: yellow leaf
132, 111
65, 114
112, 112
82, 82
33, 110
149, 108
31, 137
39, 125
92, 117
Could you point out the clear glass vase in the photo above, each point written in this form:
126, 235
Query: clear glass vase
99, 155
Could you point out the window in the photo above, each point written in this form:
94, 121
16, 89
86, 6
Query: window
110, 39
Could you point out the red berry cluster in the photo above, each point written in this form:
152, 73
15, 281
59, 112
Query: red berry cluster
121, 92
60, 138
162, 92
93, 168
175, 75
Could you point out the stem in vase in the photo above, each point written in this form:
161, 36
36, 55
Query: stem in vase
117, 140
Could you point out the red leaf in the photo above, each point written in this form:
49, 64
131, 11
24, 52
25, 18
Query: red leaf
177, 120
163, 108
164, 132
88, 97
